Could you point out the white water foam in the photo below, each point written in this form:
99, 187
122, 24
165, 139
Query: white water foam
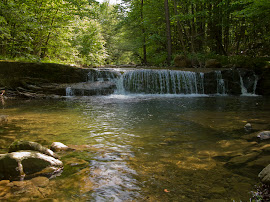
69, 92
244, 91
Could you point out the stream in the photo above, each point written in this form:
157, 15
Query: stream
144, 147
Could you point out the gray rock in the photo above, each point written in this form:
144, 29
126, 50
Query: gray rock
264, 175
248, 127
18, 164
28, 145
92, 88
58, 146
264, 135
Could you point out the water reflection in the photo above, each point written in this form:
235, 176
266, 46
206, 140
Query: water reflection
147, 148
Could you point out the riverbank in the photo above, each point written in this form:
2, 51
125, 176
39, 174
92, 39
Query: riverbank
20, 79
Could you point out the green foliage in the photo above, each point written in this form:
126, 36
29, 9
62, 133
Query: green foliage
51, 30
85, 32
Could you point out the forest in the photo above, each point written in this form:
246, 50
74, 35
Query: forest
147, 32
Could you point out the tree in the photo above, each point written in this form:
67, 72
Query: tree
140, 31
168, 32
40, 29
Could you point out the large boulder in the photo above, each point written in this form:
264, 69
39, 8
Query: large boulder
18, 164
182, 61
210, 83
264, 135
232, 81
263, 87
28, 145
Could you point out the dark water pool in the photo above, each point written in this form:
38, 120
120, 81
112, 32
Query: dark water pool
144, 148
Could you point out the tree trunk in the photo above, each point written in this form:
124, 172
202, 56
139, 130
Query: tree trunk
179, 29
144, 39
226, 26
168, 32
48, 37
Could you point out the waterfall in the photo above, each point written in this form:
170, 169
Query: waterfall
162, 82
243, 88
69, 91
248, 86
102, 75
151, 81
220, 83
120, 90
255, 84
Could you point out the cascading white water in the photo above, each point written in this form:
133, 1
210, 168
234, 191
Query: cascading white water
255, 84
163, 82
220, 84
69, 91
150, 81
120, 90
102, 75
244, 90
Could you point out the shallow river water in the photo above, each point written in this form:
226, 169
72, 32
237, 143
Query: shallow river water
144, 148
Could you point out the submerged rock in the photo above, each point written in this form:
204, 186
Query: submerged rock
264, 175
239, 160
18, 164
264, 135
261, 162
81, 147
40, 181
28, 145
217, 190
248, 127
3, 119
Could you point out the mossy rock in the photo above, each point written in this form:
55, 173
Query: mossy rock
17, 164
8, 167
243, 159
264, 175
213, 63
182, 61
28, 145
